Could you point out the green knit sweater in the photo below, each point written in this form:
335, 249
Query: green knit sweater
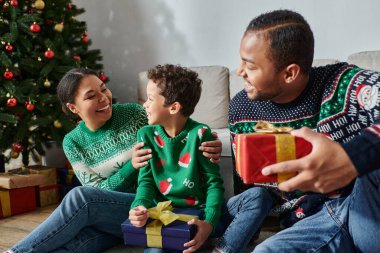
102, 158
179, 172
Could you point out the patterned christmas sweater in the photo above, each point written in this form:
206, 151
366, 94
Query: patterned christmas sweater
102, 158
179, 172
340, 101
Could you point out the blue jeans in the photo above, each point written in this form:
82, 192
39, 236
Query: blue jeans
87, 220
241, 218
348, 224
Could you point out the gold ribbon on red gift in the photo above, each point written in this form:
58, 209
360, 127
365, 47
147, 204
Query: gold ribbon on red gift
5, 203
162, 215
285, 145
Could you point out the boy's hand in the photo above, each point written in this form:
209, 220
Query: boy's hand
204, 230
138, 216
212, 149
140, 156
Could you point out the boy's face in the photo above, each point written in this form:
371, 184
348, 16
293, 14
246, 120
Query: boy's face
262, 80
155, 107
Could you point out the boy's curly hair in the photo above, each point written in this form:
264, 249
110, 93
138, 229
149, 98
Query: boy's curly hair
177, 84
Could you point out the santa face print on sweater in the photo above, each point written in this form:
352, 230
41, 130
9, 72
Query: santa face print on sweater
155, 107
367, 96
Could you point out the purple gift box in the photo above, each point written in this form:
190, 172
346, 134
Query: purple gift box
174, 235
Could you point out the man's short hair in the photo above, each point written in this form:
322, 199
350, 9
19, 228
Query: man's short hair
290, 37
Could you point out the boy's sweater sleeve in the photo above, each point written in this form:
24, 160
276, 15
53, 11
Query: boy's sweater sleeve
146, 189
119, 181
364, 149
214, 182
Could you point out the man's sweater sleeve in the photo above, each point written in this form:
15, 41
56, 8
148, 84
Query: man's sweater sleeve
364, 149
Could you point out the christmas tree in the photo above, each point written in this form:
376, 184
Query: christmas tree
40, 41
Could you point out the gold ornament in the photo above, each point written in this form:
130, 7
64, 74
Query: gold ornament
59, 27
39, 59
57, 124
14, 154
47, 83
39, 4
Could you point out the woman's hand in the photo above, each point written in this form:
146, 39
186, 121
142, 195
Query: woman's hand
204, 230
140, 156
212, 149
138, 216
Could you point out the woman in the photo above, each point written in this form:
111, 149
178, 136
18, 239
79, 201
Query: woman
100, 151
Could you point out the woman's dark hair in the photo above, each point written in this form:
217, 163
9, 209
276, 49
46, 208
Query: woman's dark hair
68, 86
177, 84
290, 37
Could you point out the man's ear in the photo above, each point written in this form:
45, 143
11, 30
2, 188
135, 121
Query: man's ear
72, 108
175, 108
291, 73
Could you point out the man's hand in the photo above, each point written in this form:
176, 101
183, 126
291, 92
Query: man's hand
140, 156
138, 216
204, 230
325, 169
212, 149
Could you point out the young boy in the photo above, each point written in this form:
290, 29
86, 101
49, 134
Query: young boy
177, 171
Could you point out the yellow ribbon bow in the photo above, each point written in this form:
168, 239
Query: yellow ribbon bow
162, 215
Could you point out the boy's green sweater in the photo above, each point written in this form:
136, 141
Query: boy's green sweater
179, 172
102, 158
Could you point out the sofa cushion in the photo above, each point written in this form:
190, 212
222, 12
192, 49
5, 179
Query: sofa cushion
212, 108
236, 84
366, 60
323, 62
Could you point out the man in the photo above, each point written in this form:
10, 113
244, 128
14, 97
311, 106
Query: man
338, 209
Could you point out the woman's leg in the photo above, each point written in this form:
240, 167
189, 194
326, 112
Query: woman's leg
242, 218
84, 207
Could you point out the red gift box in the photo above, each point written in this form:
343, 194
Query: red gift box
255, 151
15, 201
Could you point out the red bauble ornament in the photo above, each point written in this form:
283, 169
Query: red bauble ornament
30, 107
85, 40
69, 6
14, 3
11, 102
76, 57
17, 147
9, 47
85, 34
8, 75
102, 77
49, 54
35, 27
